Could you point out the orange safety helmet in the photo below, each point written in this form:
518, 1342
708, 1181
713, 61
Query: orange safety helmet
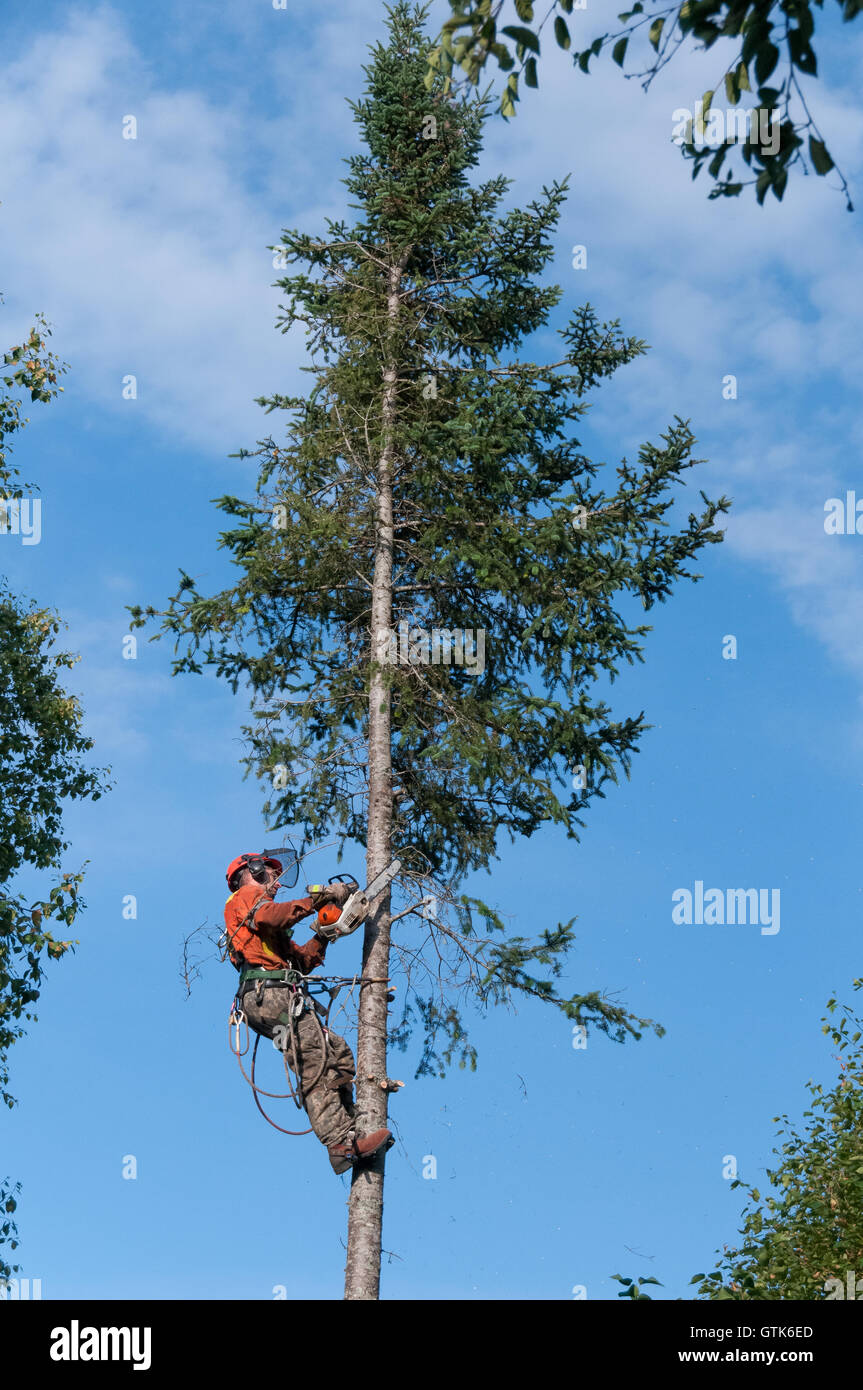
254, 863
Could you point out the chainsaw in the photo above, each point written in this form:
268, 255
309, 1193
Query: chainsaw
334, 921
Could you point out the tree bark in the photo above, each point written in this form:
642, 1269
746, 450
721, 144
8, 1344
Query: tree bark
366, 1205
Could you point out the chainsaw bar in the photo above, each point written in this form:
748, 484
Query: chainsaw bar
379, 883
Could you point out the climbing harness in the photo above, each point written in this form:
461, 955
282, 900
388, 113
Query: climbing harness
302, 989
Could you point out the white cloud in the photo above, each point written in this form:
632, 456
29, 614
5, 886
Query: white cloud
821, 575
148, 255
719, 287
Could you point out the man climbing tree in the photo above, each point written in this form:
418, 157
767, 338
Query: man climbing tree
274, 998
428, 502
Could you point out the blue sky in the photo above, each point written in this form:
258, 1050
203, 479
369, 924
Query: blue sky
557, 1166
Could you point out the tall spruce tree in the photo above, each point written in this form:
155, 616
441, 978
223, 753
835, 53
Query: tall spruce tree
430, 477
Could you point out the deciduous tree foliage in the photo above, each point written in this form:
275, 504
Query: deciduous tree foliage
42, 751
805, 1233
803, 1236
432, 476
769, 44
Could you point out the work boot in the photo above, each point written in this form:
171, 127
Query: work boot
342, 1156
370, 1144
340, 1160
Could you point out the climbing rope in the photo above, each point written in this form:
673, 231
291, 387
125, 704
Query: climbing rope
255, 1092
318, 1012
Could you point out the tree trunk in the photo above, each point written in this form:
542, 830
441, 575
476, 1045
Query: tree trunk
366, 1206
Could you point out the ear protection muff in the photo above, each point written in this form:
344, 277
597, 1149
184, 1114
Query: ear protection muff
257, 867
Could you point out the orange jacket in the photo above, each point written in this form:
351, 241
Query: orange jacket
265, 941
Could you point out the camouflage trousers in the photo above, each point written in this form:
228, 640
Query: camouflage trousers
329, 1100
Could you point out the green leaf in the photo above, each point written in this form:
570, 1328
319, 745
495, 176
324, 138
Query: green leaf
561, 33
766, 58
731, 89
743, 78
524, 10
654, 33
715, 164
820, 157
530, 77
802, 55
526, 37
619, 51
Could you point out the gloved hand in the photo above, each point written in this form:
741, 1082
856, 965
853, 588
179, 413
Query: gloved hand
328, 932
322, 894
